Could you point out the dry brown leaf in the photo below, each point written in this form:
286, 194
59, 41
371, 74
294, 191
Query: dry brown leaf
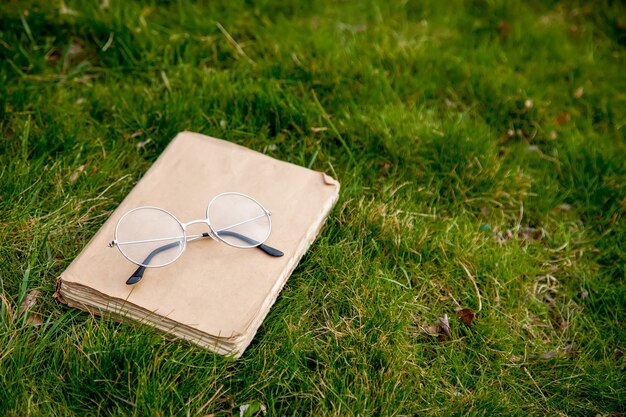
566, 351
530, 233
578, 93
559, 352
142, 144
53, 56
85, 79
432, 330
76, 173
466, 315
504, 29
30, 301
440, 329
449, 103
564, 207
73, 55
67, 11
35, 319
562, 118
444, 328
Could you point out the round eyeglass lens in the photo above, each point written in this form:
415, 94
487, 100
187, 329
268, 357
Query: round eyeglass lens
239, 220
150, 237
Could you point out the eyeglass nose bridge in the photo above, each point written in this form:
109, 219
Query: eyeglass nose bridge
205, 221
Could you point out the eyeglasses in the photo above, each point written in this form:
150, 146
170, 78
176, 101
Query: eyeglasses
153, 237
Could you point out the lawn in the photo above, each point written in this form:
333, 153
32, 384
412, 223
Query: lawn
481, 148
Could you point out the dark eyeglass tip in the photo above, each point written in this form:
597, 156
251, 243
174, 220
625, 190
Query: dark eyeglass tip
270, 250
136, 276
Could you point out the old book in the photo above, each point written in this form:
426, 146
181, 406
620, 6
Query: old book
214, 295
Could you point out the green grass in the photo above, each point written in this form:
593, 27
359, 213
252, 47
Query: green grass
481, 150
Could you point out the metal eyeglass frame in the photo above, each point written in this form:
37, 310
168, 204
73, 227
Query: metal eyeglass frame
215, 234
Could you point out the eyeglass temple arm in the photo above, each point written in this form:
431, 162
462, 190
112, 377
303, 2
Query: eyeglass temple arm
265, 248
138, 274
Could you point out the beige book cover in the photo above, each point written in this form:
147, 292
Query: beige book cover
214, 295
